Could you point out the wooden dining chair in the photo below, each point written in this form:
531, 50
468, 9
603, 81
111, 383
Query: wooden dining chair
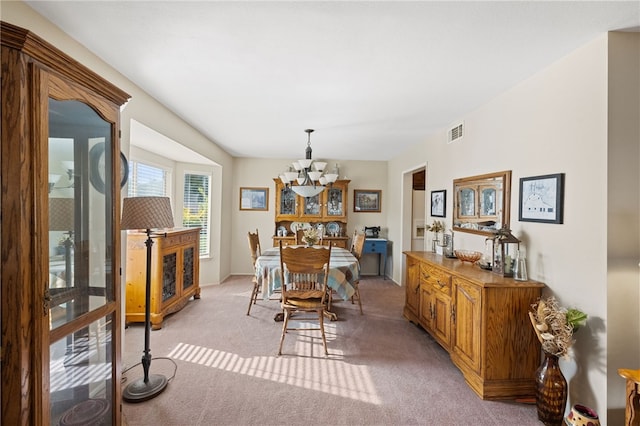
255, 250
304, 272
357, 246
299, 237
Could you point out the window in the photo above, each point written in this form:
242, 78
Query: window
196, 209
146, 180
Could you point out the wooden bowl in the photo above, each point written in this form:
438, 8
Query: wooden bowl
468, 255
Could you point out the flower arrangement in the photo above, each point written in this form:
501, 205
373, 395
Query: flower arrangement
436, 226
555, 325
310, 236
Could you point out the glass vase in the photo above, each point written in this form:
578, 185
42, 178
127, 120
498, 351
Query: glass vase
551, 391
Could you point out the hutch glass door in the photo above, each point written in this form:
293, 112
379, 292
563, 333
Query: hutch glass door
81, 299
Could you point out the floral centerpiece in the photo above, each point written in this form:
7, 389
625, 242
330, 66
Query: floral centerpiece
555, 325
310, 236
436, 227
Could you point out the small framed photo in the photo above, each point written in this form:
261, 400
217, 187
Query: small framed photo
366, 200
254, 199
439, 203
541, 198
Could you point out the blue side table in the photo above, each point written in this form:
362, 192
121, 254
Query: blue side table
377, 246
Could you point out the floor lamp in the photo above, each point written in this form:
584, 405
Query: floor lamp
146, 213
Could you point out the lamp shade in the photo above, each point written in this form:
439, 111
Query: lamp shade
146, 213
61, 214
307, 190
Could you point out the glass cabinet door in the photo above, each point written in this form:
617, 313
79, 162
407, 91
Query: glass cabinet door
286, 205
81, 295
311, 207
335, 204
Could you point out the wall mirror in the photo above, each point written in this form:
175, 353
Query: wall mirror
481, 203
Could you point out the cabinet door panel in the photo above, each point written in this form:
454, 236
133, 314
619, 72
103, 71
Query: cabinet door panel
188, 267
169, 274
336, 201
441, 324
413, 286
311, 207
83, 313
286, 204
468, 322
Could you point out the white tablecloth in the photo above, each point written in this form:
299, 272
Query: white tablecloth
344, 270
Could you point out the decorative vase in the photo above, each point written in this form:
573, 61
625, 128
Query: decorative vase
551, 391
581, 415
434, 243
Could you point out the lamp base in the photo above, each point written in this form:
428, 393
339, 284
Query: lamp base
140, 391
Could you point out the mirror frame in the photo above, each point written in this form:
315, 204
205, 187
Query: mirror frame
475, 186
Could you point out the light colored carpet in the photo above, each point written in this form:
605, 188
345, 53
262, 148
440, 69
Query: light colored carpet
381, 369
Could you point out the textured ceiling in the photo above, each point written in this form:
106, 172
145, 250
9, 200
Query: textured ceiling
372, 78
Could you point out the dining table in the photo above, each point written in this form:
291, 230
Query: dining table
344, 270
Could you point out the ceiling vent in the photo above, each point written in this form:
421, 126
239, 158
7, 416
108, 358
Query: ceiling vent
455, 133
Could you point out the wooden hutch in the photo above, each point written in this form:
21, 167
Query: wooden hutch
328, 208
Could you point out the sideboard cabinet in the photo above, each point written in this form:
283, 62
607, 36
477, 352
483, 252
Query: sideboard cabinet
480, 318
175, 272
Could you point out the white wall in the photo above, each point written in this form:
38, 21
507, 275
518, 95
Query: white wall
623, 221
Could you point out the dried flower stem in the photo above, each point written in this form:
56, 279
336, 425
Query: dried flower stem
552, 327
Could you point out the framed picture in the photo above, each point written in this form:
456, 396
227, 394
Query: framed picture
439, 203
541, 198
366, 200
254, 199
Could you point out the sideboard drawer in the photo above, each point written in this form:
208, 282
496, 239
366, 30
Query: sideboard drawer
373, 246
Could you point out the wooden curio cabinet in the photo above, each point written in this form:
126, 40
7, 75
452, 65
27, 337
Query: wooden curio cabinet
330, 206
60, 274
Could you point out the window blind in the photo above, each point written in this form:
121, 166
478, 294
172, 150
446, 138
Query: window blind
196, 208
146, 180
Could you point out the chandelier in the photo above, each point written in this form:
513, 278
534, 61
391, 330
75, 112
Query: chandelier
308, 174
